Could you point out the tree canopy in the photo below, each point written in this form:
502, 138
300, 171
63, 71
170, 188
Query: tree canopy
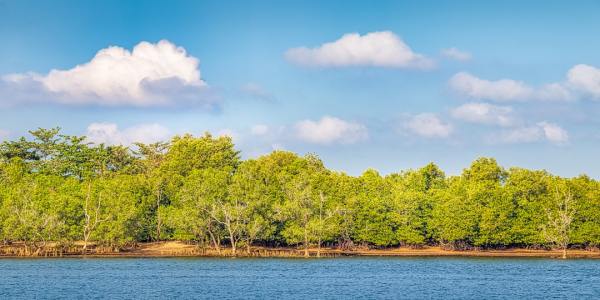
59, 188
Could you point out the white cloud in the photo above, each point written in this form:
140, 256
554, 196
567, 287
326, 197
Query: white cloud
110, 134
484, 113
542, 131
586, 79
330, 130
259, 129
428, 125
375, 49
555, 92
554, 133
581, 80
519, 135
455, 54
502, 90
149, 75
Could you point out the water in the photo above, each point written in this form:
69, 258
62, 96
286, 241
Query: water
339, 278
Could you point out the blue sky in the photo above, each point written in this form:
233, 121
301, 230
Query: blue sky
388, 85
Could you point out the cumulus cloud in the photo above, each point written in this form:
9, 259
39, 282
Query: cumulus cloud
110, 134
542, 131
375, 49
581, 81
586, 79
329, 130
428, 125
455, 54
148, 75
484, 113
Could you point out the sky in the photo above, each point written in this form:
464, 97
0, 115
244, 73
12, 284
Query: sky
389, 85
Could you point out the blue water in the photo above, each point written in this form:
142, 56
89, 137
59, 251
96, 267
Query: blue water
338, 278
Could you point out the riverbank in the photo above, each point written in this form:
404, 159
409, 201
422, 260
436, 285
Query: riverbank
180, 249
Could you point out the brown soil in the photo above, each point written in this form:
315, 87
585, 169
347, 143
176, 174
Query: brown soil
180, 249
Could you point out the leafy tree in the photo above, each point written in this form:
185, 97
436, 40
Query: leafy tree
35, 208
529, 193
455, 216
586, 222
374, 222
152, 157
412, 194
61, 189
188, 153
304, 211
560, 216
199, 204
249, 189
114, 210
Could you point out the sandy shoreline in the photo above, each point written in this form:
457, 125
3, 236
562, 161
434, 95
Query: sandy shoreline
179, 249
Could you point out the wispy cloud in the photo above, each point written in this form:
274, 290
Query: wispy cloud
256, 91
501, 90
542, 131
581, 81
456, 54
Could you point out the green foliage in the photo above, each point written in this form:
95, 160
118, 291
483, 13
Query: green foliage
373, 220
59, 188
413, 195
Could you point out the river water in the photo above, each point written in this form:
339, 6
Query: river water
335, 278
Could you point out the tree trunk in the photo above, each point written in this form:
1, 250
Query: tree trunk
215, 243
86, 227
158, 220
233, 248
85, 242
564, 252
305, 242
322, 198
319, 248
231, 237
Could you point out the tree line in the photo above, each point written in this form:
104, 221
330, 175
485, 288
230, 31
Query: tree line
59, 188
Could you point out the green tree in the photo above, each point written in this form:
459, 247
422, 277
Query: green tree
249, 189
373, 218
586, 222
152, 157
413, 201
529, 191
561, 213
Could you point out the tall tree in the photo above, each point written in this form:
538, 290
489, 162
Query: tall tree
249, 189
373, 217
560, 216
152, 157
